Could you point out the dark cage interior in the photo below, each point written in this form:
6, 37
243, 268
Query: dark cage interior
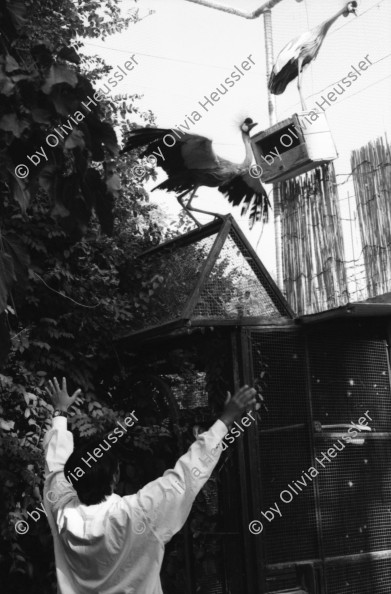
333, 523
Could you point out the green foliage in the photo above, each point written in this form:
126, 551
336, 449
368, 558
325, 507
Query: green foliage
55, 142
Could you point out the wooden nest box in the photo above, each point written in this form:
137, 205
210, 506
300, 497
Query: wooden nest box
293, 146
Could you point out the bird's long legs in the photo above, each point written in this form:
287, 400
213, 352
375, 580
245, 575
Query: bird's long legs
299, 68
190, 207
185, 207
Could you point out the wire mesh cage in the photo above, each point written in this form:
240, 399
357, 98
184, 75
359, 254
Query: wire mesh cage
336, 517
174, 268
234, 288
211, 273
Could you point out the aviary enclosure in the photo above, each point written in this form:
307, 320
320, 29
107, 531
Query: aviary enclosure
228, 324
300, 502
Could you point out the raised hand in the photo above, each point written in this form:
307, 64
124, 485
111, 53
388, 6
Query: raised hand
235, 406
59, 395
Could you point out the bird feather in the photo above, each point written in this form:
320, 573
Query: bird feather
191, 162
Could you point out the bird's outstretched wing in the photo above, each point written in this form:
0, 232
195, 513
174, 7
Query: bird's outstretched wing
177, 153
250, 193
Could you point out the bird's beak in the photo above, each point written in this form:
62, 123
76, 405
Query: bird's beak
251, 126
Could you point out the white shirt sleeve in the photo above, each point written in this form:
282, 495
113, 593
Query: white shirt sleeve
166, 501
58, 446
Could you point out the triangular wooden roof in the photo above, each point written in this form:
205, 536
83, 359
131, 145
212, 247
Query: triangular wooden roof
208, 277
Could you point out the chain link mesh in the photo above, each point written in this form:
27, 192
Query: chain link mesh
234, 287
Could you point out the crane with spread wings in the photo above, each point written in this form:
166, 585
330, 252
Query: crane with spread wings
191, 163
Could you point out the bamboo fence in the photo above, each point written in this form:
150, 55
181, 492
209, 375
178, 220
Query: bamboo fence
313, 250
371, 171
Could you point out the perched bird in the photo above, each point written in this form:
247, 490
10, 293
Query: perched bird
301, 51
190, 162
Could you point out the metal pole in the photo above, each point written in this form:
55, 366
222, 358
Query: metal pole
246, 15
264, 9
267, 22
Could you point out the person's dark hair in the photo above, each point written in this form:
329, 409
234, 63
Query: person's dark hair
92, 477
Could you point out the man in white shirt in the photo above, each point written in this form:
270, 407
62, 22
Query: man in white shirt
107, 544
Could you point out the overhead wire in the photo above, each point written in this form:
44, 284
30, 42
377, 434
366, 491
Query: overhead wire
367, 173
129, 52
361, 14
340, 80
365, 88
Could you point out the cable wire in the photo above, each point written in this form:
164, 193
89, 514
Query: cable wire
129, 52
358, 16
293, 105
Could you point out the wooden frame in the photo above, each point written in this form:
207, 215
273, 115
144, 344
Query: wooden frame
223, 228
